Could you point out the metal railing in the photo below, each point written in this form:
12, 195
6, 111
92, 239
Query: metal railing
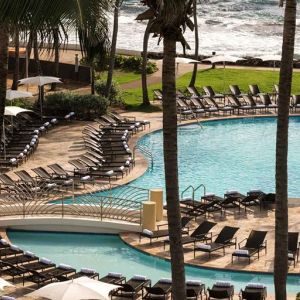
99, 201
145, 152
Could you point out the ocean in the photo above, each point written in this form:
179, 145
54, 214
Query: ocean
237, 27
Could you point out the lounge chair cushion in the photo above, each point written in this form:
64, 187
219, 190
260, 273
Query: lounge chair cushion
194, 282
88, 177
65, 267
46, 261
255, 285
223, 283
4, 242
241, 252
139, 277
88, 271
203, 246
15, 247
290, 255
231, 192
115, 274
29, 253
147, 232
165, 280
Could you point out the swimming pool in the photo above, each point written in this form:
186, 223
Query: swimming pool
231, 154
107, 253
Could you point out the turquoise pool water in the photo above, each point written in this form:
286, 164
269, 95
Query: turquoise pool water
107, 253
237, 154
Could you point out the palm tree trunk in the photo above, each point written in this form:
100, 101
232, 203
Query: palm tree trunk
194, 74
3, 71
171, 168
56, 55
92, 70
16, 74
113, 48
146, 101
36, 54
281, 212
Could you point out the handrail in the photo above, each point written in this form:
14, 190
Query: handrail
201, 186
144, 151
187, 189
100, 201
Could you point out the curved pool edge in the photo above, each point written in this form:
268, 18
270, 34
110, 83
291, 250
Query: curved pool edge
201, 267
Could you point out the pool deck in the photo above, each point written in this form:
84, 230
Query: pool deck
65, 142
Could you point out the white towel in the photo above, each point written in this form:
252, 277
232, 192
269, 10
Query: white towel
223, 283
255, 285
204, 246
4, 242
165, 280
88, 177
241, 252
115, 274
45, 261
111, 172
139, 277
194, 282
148, 232
15, 247
88, 271
65, 267
29, 253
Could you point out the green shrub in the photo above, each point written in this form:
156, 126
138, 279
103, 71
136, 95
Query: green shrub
21, 102
86, 107
115, 97
134, 64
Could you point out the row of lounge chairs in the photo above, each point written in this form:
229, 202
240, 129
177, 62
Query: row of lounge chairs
211, 203
22, 137
203, 240
107, 157
16, 263
193, 104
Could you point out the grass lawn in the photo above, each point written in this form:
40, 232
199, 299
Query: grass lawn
122, 77
219, 79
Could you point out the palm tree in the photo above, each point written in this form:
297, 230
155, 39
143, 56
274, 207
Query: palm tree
281, 212
43, 16
146, 100
118, 4
17, 59
195, 70
169, 20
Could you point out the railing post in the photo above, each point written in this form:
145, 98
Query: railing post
101, 209
73, 191
62, 208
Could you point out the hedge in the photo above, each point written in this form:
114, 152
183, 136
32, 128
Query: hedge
86, 107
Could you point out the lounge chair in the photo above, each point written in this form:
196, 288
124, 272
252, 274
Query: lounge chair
12, 270
253, 104
236, 91
293, 247
236, 104
132, 288
253, 291
204, 209
42, 264
91, 273
266, 100
157, 94
39, 277
164, 232
183, 109
209, 91
113, 278
267, 200
255, 91
193, 91
26, 257
254, 244
194, 289
129, 119
197, 104
201, 233
221, 290
224, 109
252, 199
8, 251
160, 290
223, 240
296, 102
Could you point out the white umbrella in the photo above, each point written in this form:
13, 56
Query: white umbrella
223, 59
14, 110
40, 81
4, 283
185, 60
80, 288
12, 94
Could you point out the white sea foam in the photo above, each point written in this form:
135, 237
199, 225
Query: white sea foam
240, 27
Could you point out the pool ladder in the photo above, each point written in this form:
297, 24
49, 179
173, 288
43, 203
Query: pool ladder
145, 152
193, 190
